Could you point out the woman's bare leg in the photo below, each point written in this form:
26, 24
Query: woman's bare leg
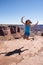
24, 36
31, 38
27, 38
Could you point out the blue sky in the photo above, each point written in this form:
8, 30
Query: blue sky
11, 11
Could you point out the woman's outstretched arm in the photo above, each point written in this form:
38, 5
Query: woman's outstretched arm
35, 24
22, 20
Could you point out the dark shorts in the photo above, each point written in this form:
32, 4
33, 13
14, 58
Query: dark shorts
27, 34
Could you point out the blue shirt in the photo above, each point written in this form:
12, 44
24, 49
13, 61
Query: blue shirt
27, 28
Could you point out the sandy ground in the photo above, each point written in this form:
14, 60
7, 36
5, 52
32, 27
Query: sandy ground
31, 52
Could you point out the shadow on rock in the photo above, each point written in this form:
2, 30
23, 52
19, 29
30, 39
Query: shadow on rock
17, 51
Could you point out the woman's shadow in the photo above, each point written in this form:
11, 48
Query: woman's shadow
17, 51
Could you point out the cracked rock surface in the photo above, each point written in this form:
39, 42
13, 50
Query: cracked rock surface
31, 52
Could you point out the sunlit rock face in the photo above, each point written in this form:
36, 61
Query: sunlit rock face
11, 31
4, 30
1, 32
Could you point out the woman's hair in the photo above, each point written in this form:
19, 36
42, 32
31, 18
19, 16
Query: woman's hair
28, 22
